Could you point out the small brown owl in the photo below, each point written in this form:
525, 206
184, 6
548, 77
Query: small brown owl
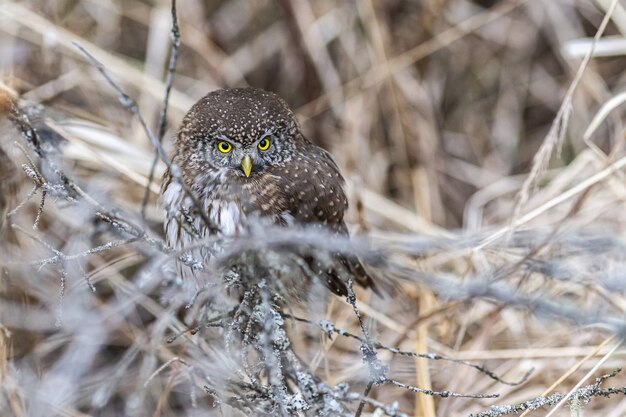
242, 154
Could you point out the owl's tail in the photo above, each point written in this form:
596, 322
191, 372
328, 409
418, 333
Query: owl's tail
336, 277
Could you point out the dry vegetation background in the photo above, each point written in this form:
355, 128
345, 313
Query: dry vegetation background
482, 147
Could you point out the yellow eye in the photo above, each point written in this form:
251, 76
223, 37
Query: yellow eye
264, 144
224, 147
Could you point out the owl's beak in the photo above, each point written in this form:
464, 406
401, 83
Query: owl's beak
246, 165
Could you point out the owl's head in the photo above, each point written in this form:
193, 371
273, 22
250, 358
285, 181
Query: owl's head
241, 130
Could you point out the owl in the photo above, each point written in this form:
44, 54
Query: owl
241, 153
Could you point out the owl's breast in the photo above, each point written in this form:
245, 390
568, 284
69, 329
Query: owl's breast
233, 205
227, 215
264, 197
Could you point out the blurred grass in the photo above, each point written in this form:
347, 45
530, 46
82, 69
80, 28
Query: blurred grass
434, 110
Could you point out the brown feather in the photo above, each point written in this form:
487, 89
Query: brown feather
294, 179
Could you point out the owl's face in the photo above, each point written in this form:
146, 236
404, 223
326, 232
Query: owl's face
250, 156
239, 132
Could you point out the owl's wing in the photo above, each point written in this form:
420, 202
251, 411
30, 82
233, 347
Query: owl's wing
352, 265
316, 194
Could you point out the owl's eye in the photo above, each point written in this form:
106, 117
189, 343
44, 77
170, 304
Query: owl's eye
264, 144
224, 147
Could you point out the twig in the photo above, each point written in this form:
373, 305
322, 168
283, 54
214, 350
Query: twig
585, 394
442, 394
377, 370
572, 392
368, 388
329, 328
71, 189
130, 104
169, 81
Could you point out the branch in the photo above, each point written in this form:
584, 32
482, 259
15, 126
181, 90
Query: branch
169, 81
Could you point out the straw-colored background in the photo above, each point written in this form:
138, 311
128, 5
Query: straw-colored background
434, 111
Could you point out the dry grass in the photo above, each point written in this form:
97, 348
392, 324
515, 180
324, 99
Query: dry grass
483, 144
